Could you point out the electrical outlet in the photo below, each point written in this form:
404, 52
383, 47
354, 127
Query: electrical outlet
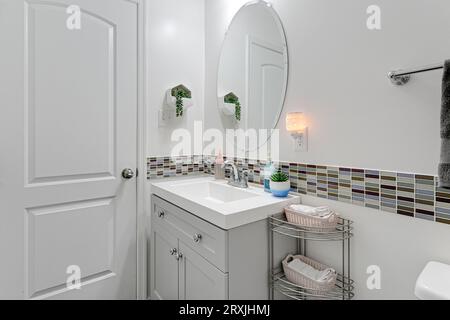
301, 141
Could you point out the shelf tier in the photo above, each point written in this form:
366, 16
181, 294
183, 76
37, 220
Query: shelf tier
280, 225
342, 291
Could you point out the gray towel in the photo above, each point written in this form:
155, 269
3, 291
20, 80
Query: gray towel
444, 167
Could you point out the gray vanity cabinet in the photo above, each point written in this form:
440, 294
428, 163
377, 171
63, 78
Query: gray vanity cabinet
179, 273
187, 256
195, 260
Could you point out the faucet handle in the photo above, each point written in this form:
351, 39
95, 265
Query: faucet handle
244, 177
244, 172
234, 174
227, 163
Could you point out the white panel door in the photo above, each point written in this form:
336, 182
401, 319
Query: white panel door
68, 114
266, 80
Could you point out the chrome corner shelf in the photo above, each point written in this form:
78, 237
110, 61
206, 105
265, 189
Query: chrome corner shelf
280, 225
343, 233
342, 291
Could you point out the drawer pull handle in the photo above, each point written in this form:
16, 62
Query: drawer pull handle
179, 256
173, 251
197, 237
161, 214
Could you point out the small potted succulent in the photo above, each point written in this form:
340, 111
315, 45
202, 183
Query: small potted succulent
280, 184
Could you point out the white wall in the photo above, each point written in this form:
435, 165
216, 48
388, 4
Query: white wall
338, 78
176, 55
400, 246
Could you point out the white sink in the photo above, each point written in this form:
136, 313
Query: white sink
212, 191
220, 204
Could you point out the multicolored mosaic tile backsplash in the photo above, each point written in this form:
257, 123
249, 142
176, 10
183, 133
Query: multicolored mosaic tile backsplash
411, 195
167, 167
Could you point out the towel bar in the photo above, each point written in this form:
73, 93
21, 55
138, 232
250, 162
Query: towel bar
402, 77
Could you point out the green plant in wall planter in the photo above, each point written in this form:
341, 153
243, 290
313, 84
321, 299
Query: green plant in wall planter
180, 92
234, 99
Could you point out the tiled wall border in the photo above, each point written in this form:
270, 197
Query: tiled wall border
167, 167
411, 195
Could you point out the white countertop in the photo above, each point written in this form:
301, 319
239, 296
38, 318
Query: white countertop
232, 208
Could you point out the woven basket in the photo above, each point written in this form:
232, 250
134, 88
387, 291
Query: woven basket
305, 282
318, 223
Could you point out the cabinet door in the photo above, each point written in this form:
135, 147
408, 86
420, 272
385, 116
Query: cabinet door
200, 280
164, 265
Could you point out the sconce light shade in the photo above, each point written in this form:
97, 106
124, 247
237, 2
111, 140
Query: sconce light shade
296, 122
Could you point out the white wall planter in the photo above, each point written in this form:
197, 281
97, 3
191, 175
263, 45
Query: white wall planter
228, 109
168, 112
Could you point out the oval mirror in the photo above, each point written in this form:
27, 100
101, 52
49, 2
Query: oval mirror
253, 69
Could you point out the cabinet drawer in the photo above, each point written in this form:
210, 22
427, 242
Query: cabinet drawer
204, 238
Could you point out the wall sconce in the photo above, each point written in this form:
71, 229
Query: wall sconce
296, 124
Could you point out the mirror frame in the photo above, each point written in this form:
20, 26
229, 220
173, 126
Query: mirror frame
282, 32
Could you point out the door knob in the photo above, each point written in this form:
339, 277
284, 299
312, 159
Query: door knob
173, 251
197, 237
128, 174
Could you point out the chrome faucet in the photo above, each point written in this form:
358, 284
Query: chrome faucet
238, 177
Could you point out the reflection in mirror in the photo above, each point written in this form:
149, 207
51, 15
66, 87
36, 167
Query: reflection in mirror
253, 70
